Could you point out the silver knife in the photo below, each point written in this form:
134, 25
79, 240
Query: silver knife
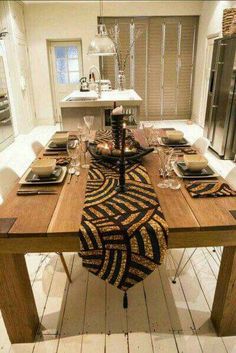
36, 192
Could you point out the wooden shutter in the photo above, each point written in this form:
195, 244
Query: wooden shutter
161, 70
154, 67
140, 63
188, 27
170, 51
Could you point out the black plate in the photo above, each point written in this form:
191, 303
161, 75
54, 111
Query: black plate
141, 151
186, 172
170, 143
32, 177
52, 146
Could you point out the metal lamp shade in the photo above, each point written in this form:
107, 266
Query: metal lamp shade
101, 45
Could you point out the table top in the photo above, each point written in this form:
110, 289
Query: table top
192, 222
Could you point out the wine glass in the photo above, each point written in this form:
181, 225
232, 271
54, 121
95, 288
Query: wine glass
84, 148
164, 156
174, 182
155, 139
80, 128
148, 133
73, 147
88, 119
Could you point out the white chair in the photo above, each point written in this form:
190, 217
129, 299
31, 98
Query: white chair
231, 178
201, 144
37, 147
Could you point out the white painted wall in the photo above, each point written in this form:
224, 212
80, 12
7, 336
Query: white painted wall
73, 20
210, 23
12, 18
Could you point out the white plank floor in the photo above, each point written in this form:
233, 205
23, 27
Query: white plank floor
87, 315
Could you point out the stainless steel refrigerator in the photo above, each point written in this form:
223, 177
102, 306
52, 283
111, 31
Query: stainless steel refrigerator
220, 122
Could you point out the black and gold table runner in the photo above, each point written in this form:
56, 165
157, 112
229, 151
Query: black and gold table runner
123, 236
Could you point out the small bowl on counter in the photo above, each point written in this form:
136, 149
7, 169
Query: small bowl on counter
195, 162
44, 167
174, 135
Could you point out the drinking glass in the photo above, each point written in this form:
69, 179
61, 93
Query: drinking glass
84, 148
174, 182
89, 122
80, 128
164, 155
147, 133
73, 149
155, 140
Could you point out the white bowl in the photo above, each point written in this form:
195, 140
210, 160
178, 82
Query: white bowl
195, 162
60, 138
174, 135
44, 167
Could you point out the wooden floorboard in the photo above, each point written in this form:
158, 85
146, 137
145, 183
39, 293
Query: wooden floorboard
88, 316
199, 310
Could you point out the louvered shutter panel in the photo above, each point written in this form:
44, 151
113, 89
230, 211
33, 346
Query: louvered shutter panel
154, 67
187, 56
161, 70
140, 63
170, 37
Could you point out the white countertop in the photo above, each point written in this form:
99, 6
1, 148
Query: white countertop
79, 99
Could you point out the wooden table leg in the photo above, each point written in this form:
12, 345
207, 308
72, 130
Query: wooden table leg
223, 311
16, 299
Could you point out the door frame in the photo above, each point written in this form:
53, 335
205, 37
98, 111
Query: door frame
204, 93
57, 116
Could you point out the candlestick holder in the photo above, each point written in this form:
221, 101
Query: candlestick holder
122, 185
116, 127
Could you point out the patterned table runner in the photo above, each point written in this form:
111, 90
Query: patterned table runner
123, 236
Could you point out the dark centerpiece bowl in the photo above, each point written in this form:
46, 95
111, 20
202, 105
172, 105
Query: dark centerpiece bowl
107, 151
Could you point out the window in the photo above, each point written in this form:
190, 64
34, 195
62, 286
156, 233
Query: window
162, 65
68, 64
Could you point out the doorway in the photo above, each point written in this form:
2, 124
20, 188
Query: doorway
66, 70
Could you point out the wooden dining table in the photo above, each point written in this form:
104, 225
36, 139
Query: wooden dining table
50, 223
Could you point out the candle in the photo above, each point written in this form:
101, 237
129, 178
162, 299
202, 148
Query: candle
117, 111
123, 143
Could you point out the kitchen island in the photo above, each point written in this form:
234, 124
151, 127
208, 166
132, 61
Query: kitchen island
78, 104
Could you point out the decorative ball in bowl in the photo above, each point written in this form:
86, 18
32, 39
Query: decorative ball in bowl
44, 167
195, 162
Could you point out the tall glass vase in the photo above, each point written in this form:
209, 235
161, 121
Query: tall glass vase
121, 81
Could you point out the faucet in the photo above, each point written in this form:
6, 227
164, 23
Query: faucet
94, 68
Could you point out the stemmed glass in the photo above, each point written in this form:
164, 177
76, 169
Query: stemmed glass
73, 150
148, 133
154, 139
164, 155
84, 148
174, 182
89, 122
